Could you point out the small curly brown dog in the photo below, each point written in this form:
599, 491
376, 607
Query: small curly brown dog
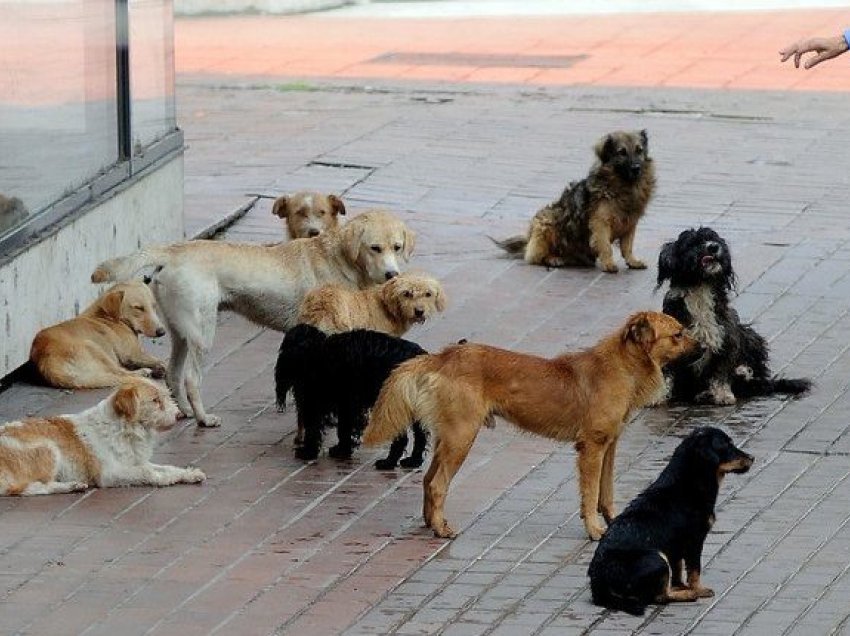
593, 213
308, 214
100, 347
392, 308
584, 397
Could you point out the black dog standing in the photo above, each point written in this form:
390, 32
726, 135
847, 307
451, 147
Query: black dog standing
733, 362
641, 557
341, 375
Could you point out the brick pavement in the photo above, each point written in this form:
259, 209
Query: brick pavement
271, 545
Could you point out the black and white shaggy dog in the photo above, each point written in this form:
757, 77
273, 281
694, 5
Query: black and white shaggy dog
733, 361
643, 553
340, 376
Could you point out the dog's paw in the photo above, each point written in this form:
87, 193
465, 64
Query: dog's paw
385, 464
610, 268
411, 462
340, 452
158, 371
704, 592
307, 453
210, 421
144, 372
554, 261
78, 486
445, 531
594, 531
636, 264
744, 372
195, 475
608, 513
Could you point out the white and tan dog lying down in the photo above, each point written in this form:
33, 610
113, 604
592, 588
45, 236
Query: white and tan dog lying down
394, 307
264, 283
308, 214
110, 444
100, 347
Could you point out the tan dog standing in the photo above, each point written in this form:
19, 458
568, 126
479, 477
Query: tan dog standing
110, 444
392, 308
308, 214
264, 283
586, 397
100, 347
597, 211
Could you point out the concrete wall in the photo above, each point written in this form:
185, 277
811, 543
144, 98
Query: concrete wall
196, 7
49, 282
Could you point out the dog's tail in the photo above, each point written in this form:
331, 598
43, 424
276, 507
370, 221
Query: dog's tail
401, 401
515, 245
300, 344
125, 267
769, 386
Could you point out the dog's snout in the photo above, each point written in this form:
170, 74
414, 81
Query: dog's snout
313, 232
712, 247
390, 274
419, 312
160, 331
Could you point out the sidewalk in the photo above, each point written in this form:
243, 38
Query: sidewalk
272, 545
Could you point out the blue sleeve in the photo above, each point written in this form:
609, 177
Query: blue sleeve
847, 37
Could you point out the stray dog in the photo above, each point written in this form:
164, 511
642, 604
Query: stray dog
308, 214
661, 532
264, 283
12, 212
108, 445
341, 375
100, 347
592, 213
585, 397
733, 361
393, 307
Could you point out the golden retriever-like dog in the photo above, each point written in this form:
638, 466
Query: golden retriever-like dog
593, 213
392, 308
100, 347
308, 214
264, 283
586, 397
110, 444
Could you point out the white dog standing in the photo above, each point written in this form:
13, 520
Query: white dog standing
110, 444
264, 283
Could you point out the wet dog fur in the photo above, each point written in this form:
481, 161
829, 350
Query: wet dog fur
733, 361
586, 398
100, 347
340, 376
308, 214
264, 283
110, 444
593, 213
641, 558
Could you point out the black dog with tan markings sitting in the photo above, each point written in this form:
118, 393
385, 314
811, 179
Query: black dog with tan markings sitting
642, 555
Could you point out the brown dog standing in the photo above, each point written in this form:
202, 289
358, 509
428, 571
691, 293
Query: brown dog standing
308, 214
584, 397
593, 213
100, 347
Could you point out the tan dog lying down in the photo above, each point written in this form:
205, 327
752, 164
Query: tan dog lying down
584, 397
110, 444
264, 283
308, 214
392, 308
100, 347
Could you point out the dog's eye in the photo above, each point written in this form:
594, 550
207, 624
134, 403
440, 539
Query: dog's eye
622, 152
638, 149
376, 249
138, 308
397, 247
427, 294
320, 213
408, 294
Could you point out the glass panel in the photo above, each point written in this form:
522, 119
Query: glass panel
57, 101
151, 71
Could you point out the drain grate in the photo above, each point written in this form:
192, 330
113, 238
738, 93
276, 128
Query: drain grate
478, 60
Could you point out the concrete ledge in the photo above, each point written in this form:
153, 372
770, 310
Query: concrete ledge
49, 282
201, 7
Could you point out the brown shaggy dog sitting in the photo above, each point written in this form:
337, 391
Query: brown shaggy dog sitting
392, 308
584, 397
592, 213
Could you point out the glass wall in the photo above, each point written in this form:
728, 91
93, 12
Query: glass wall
63, 111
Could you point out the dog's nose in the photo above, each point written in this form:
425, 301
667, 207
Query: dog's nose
712, 247
312, 232
636, 168
419, 312
390, 274
160, 332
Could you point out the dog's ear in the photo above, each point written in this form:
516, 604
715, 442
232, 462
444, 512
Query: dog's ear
351, 237
337, 206
644, 139
639, 330
281, 207
125, 402
409, 243
667, 263
604, 148
390, 292
110, 304
440, 299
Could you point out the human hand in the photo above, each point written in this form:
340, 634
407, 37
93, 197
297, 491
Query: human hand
825, 49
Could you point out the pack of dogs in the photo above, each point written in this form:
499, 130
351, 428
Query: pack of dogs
338, 293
